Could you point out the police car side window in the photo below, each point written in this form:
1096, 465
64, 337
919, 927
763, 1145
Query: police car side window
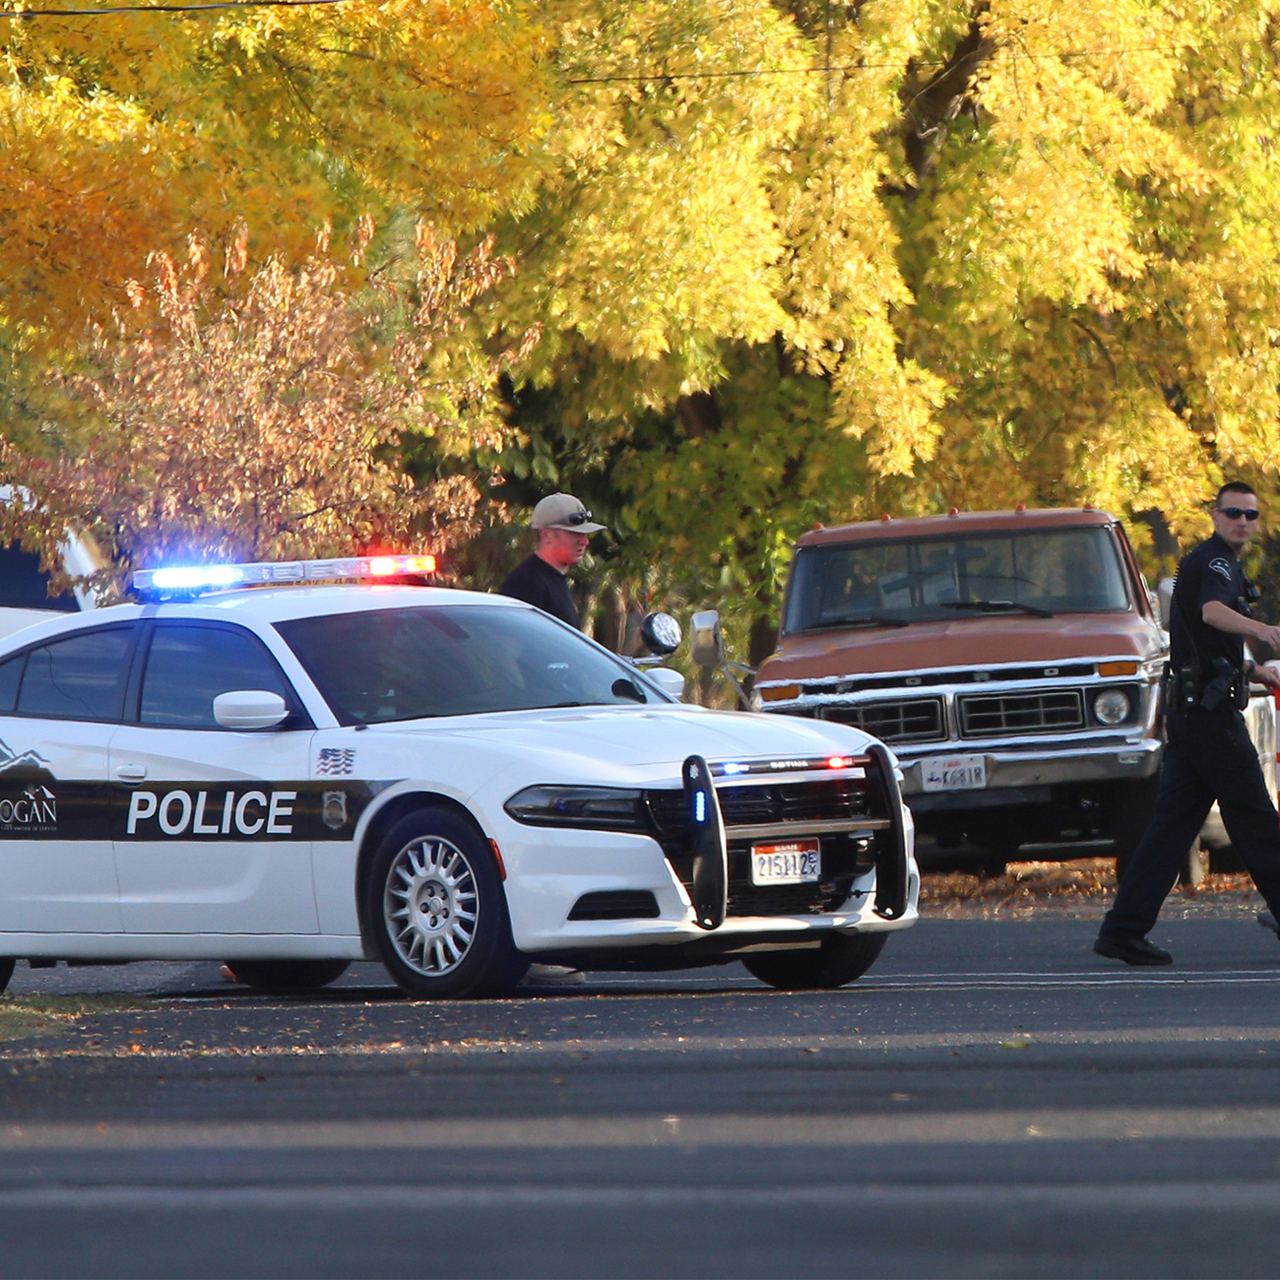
10, 675
79, 678
188, 666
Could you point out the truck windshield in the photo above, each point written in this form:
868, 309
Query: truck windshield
1044, 571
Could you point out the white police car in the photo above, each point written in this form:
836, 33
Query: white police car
293, 778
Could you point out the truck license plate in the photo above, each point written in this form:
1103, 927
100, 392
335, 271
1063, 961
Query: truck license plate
796, 862
953, 773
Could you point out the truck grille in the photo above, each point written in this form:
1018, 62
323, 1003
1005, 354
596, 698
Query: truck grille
1014, 713
916, 720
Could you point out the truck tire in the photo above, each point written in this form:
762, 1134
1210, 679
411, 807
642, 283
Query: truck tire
1133, 815
6, 970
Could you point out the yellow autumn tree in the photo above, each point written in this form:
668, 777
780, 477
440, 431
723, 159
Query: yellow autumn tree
120, 132
1020, 251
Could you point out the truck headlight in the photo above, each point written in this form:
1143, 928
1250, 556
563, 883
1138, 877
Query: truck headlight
601, 808
1111, 706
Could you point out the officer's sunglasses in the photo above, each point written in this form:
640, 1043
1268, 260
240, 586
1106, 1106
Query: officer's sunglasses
581, 517
1234, 513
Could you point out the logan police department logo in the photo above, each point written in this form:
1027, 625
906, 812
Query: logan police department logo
35, 807
1221, 566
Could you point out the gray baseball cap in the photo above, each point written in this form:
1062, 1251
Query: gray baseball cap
564, 511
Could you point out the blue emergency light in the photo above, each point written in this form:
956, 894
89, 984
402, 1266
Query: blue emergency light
190, 580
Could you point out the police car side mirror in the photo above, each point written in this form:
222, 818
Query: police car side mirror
670, 682
249, 709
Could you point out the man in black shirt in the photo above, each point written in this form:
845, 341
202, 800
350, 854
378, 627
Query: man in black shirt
562, 525
1208, 755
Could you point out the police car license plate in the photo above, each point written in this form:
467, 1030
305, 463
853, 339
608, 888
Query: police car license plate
953, 773
796, 862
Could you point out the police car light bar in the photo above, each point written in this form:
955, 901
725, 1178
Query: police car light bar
212, 577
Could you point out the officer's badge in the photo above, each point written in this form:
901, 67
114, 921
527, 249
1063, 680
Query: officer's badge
1221, 566
333, 810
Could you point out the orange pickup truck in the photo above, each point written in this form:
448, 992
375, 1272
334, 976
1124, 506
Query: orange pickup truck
1012, 662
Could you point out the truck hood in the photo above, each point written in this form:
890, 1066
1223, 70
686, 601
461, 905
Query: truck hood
988, 640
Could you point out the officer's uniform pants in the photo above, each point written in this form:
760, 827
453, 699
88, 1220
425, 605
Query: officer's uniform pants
1208, 757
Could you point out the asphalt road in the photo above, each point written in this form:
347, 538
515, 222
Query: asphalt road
990, 1100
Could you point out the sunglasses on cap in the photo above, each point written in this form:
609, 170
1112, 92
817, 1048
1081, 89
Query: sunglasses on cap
1234, 513
581, 517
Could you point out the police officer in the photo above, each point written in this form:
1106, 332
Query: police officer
1208, 755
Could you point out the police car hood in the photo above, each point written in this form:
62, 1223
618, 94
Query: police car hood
605, 740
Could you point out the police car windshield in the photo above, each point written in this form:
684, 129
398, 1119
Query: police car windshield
454, 660
1042, 571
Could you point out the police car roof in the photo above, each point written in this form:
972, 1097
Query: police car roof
266, 604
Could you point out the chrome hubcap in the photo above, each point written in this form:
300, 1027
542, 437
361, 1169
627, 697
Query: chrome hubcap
431, 905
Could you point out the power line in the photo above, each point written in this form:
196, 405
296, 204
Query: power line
163, 8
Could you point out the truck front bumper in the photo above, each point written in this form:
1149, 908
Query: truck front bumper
1016, 773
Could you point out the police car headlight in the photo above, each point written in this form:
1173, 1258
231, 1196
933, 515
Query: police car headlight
1111, 706
601, 808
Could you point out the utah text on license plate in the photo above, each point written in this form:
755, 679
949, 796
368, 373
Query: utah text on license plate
795, 862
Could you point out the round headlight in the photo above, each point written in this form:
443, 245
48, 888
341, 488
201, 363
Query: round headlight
1111, 706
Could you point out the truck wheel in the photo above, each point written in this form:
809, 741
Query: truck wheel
841, 958
6, 970
437, 910
280, 977
996, 856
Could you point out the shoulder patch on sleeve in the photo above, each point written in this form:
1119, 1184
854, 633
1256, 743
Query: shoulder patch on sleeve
1220, 566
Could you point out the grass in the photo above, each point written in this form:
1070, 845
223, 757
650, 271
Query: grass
23, 1017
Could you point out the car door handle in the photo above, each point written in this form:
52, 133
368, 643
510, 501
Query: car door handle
131, 772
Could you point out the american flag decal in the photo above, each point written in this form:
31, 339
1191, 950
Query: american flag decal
336, 760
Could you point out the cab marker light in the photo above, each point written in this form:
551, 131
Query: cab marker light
193, 579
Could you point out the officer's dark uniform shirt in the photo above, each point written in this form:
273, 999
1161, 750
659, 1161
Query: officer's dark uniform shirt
535, 582
1209, 572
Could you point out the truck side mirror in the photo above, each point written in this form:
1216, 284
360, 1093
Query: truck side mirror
1164, 591
706, 639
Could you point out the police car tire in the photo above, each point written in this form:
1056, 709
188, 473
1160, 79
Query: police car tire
279, 977
6, 970
437, 910
841, 958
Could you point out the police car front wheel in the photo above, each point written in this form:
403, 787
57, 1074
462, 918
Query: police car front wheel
435, 904
841, 958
